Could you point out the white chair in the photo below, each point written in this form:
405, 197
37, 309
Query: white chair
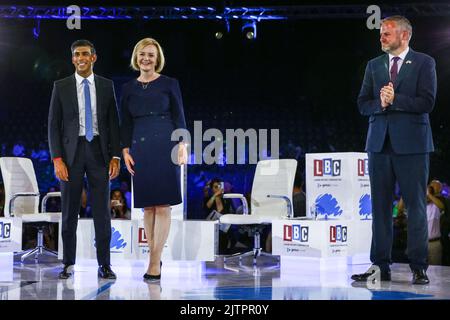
271, 198
22, 200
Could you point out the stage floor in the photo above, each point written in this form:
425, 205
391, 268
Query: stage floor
214, 281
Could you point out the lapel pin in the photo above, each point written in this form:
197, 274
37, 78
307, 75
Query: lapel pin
408, 61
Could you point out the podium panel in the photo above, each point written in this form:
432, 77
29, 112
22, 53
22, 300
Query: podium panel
360, 242
189, 240
349, 239
10, 234
307, 238
338, 186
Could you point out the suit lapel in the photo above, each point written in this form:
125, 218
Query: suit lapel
386, 73
98, 92
405, 69
73, 94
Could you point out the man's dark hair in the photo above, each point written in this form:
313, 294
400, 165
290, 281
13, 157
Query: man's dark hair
82, 43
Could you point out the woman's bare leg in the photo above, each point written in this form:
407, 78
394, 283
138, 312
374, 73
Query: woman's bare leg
149, 224
160, 234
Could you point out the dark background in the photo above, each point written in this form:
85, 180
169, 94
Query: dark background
299, 76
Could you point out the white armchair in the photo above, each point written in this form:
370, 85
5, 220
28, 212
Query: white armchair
271, 198
22, 200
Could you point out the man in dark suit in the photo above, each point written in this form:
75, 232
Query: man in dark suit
83, 134
398, 93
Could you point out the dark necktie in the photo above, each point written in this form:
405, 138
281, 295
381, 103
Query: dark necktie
88, 112
394, 69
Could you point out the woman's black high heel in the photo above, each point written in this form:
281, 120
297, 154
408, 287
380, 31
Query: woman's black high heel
153, 277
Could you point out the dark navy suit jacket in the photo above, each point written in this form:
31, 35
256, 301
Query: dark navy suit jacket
64, 123
406, 120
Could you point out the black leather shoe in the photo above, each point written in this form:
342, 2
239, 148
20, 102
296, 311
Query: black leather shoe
385, 276
105, 272
420, 277
66, 272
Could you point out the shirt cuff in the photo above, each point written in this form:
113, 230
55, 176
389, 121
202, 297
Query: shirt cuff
118, 158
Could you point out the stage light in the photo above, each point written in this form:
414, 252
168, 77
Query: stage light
249, 30
223, 28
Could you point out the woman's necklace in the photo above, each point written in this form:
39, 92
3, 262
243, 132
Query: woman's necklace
145, 84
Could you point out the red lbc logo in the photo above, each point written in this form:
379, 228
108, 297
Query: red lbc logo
295, 232
287, 233
338, 234
318, 167
142, 237
363, 167
327, 167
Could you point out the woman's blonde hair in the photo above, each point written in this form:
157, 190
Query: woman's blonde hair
142, 44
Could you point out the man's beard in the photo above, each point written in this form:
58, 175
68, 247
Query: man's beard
391, 48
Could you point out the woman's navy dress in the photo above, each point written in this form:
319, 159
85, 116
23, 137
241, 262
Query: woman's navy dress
149, 117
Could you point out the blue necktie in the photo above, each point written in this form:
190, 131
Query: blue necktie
88, 112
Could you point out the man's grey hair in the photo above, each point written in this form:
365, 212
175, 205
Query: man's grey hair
402, 22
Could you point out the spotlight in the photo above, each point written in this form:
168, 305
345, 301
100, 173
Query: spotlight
224, 27
249, 30
218, 35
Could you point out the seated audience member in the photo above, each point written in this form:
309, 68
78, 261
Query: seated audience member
400, 232
435, 208
214, 206
119, 208
54, 203
41, 154
299, 196
19, 149
213, 198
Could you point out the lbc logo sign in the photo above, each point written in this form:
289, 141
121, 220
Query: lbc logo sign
142, 238
295, 232
363, 167
5, 230
327, 167
338, 234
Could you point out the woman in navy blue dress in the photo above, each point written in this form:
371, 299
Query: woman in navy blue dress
151, 109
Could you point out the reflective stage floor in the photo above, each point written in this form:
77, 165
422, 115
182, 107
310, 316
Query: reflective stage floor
214, 281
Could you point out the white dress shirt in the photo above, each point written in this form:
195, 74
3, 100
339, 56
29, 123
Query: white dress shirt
81, 104
400, 61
